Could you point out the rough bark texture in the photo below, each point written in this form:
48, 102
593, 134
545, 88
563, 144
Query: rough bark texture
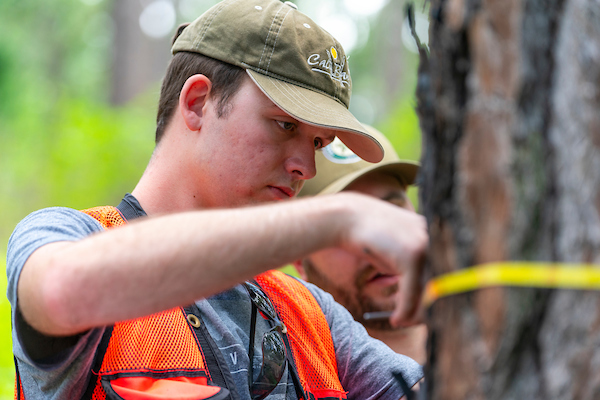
509, 104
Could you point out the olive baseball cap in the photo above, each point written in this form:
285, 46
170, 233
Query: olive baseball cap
301, 67
338, 166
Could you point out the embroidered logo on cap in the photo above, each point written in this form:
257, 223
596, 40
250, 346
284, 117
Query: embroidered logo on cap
330, 66
338, 153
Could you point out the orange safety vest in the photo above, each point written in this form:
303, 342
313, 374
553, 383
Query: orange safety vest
169, 355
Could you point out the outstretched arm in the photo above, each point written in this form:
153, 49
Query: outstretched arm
167, 261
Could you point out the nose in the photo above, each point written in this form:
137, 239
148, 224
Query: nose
301, 164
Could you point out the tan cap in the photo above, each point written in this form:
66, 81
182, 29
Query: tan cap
337, 167
296, 63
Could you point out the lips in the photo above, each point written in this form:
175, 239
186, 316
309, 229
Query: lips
284, 191
371, 276
378, 277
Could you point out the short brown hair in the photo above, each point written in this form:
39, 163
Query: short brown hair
225, 78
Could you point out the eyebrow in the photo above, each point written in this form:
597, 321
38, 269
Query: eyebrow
273, 106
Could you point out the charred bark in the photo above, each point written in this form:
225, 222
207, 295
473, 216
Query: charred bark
509, 108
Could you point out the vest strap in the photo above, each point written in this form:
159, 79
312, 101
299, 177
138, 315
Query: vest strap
292, 369
18, 386
97, 363
215, 363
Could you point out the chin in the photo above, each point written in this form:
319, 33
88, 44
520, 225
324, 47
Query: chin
381, 302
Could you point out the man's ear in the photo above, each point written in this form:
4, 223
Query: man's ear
300, 268
192, 99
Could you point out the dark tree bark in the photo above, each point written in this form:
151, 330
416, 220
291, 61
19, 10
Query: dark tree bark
509, 104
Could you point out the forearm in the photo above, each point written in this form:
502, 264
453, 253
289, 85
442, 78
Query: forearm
167, 261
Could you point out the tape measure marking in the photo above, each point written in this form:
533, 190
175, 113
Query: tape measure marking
520, 274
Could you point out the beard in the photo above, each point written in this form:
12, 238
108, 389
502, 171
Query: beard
354, 298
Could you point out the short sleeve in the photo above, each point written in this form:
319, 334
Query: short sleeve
62, 369
366, 366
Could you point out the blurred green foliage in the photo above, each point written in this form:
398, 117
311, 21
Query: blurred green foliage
62, 143
402, 128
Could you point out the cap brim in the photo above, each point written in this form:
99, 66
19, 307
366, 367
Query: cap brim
319, 109
404, 170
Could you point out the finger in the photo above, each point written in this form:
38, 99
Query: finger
409, 310
379, 262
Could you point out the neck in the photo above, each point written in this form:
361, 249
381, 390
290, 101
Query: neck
162, 189
409, 341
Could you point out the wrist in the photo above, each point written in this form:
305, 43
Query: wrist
338, 213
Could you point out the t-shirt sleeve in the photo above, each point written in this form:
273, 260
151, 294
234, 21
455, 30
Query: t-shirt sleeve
52, 366
366, 366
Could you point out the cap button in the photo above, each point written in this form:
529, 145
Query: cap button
289, 3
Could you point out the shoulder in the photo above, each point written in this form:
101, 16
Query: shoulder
43, 227
325, 299
292, 286
34, 231
60, 223
50, 225
60, 220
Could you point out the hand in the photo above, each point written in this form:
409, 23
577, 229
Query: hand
395, 240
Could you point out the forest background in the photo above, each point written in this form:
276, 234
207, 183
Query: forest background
79, 83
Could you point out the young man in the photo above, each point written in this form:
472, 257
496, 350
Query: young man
167, 294
355, 281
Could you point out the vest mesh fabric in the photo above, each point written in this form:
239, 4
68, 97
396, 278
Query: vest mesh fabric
307, 330
152, 346
18, 391
148, 345
108, 216
155, 343
164, 343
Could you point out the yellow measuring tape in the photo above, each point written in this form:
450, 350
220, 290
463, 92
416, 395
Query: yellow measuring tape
519, 273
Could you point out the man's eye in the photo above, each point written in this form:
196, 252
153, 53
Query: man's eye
288, 126
318, 143
399, 201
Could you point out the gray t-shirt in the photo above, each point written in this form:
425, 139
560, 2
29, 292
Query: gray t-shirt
59, 368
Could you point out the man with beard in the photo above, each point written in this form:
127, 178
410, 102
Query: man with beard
356, 282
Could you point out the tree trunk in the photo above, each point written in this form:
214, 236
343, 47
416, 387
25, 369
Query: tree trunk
509, 104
